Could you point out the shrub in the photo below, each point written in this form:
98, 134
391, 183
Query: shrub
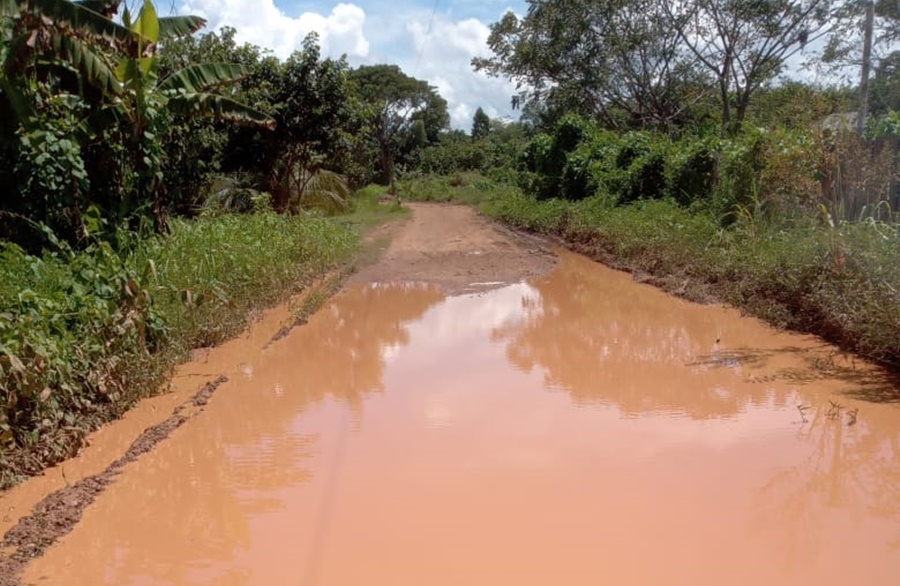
646, 176
691, 170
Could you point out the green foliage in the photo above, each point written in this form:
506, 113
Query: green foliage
455, 152
481, 125
643, 160
545, 160
72, 328
234, 194
777, 172
102, 150
402, 114
888, 125
372, 205
51, 173
620, 63
463, 187
691, 170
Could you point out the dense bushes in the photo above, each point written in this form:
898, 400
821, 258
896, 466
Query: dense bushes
779, 172
83, 334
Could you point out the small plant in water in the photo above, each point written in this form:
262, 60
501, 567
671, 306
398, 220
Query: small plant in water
851, 416
835, 410
802, 409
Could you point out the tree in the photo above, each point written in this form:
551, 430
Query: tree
147, 99
197, 148
481, 125
744, 43
885, 87
54, 65
313, 107
618, 61
399, 104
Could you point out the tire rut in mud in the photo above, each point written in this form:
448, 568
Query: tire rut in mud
58, 513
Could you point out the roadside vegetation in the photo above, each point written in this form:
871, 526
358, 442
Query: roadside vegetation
160, 182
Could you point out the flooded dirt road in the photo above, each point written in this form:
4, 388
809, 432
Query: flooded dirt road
573, 428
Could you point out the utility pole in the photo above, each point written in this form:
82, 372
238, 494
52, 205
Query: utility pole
866, 67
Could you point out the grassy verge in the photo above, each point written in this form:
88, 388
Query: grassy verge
463, 187
367, 209
841, 282
83, 335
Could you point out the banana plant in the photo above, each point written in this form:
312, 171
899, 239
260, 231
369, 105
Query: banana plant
114, 69
145, 98
189, 90
54, 34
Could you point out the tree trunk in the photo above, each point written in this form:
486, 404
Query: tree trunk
866, 68
724, 83
387, 165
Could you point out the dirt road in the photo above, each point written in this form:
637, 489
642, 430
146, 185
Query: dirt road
408, 435
453, 247
449, 246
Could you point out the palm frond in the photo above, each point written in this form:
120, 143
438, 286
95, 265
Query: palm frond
173, 27
325, 190
203, 76
89, 63
72, 17
214, 106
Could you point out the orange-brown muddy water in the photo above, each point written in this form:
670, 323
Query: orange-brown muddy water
575, 429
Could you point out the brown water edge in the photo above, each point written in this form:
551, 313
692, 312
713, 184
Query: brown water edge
577, 429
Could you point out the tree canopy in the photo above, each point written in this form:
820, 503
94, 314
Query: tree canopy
404, 112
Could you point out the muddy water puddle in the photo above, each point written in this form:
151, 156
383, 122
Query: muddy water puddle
575, 429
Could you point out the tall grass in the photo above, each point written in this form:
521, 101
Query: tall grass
462, 187
84, 334
372, 205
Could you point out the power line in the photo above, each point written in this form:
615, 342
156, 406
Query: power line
425, 40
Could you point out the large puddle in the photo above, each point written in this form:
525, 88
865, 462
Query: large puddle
580, 429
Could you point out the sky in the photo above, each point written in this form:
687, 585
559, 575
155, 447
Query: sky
433, 41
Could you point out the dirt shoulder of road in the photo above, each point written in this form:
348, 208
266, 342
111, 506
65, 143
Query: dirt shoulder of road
443, 244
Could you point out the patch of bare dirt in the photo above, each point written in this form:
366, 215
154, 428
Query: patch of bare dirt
60, 511
455, 248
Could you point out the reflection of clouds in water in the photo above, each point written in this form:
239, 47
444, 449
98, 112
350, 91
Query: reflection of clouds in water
664, 432
390, 351
438, 413
454, 326
459, 318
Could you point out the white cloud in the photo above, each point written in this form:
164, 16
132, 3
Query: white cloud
388, 33
446, 62
262, 23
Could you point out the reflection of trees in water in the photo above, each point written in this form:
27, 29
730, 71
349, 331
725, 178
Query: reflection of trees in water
605, 341
198, 490
848, 469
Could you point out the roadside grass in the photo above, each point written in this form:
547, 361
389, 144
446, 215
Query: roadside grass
464, 187
366, 210
838, 281
85, 334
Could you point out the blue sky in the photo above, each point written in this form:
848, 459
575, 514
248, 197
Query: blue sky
383, 31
